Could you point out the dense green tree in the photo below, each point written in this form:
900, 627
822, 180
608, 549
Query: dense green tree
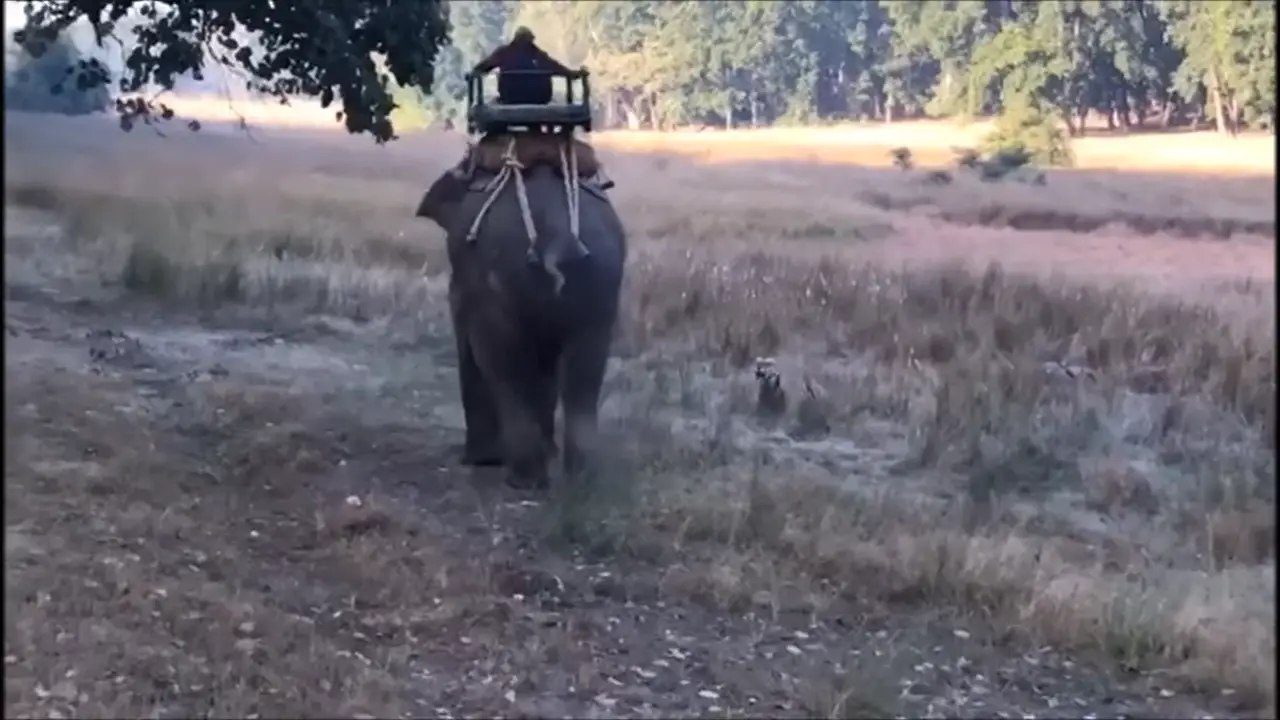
1142, 64
611, 39
940, 38
1229, 51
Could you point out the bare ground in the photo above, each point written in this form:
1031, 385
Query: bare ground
239, 521
230, 483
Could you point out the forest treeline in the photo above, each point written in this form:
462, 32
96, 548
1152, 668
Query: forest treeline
663, 64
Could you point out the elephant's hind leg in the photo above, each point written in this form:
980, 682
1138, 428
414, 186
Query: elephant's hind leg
515, 379
544, 398
483, 446
585, 361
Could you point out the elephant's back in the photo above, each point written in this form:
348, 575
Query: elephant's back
493, 216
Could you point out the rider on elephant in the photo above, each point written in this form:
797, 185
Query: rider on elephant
525, 72
522, 54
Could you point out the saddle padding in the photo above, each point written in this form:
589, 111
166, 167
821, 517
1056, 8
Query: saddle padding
531, 150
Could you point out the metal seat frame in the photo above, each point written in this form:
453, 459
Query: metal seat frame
484, 118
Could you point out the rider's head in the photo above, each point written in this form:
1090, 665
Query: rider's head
522, 34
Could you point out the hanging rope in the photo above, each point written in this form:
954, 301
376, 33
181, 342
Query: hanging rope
513, 169
569, 170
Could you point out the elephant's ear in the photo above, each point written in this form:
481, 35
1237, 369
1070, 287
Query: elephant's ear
442, 198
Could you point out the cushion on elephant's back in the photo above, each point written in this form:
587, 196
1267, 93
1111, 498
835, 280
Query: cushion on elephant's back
532, 150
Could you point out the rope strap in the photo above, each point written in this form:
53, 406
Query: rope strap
512, 168
569, 169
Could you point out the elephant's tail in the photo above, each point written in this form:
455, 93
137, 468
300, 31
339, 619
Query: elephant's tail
512, 172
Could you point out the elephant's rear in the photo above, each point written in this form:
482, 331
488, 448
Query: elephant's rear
593, 284
550, 266
537, 258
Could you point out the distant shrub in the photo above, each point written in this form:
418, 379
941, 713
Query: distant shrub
1025, 136
902, 158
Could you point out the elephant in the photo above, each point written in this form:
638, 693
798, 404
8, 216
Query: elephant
533, 321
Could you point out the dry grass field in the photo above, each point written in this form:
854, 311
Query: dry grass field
1035, 473
868, 145
933, 143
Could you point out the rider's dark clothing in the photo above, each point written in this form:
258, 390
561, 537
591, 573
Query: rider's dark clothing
516, 88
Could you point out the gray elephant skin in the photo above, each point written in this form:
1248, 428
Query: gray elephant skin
524, 343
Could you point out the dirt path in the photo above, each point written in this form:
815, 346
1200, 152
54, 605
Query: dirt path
238, 518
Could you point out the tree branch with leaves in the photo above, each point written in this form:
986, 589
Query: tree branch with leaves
334, 50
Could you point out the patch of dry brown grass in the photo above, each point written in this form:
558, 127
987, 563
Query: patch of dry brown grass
932, 144
1129, 512
861, 144
955, 364
140, 581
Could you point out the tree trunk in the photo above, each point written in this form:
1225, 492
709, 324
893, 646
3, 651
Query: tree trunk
628, 108
1166, 114
1068, 118
1076, 119
1140, 112
632, 107
1122, 111
840, 89
1219, 107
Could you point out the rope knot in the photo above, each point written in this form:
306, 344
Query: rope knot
510, 159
